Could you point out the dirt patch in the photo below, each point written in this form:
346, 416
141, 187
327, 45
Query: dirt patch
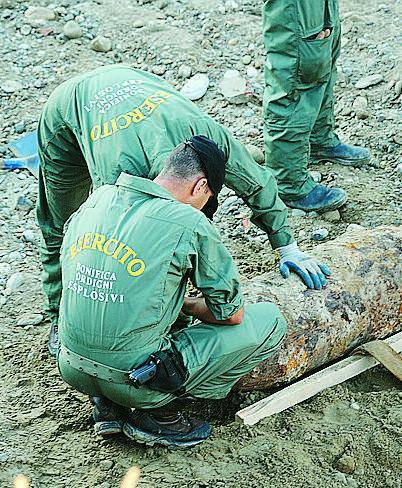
346, 436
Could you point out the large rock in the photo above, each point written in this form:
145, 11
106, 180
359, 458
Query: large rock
361, 303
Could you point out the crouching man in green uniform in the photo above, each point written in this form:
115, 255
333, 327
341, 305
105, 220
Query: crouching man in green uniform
118, 119
302, 41
127, 256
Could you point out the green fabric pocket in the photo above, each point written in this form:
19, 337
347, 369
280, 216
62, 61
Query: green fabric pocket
315, 60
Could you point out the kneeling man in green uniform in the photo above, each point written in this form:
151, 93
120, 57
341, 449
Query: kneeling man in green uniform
127, 256
119, 119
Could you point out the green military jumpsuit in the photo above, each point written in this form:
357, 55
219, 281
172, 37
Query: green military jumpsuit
116, 119
126, 258
300, 73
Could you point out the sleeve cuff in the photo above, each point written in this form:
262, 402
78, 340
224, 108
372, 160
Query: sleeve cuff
280, 239
224, 311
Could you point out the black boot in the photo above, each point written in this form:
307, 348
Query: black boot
108, 416
165, 428
53, 343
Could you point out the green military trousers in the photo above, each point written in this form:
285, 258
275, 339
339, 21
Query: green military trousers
216, 357
300, 72
63, 188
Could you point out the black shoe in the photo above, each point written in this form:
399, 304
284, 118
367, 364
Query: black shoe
53, 343
108, 416
175, 430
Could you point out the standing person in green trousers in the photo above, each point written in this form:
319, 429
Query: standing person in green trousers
302, 41
127, 256
118, 119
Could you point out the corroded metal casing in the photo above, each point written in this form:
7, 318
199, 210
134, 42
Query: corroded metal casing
362, 302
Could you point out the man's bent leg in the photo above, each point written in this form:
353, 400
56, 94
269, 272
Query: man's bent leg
218, 356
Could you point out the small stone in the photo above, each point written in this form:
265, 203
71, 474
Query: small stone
137, 24
352, 482
297, 212
367, 81
252, 72
256, 153
398, 88
353, 227
14, 282
3, 457
72, 30
30, 319
29, 236
360, 106
399, 169
39, 15
355, 406
319, 234
25, 30
333, 216
233, 42
13, 257
235, 88
346, 464
11, 86
196, 87
249, 112
106, 464
159, 69
19, 127
230, 201
246, 59
24, 203
316, 175
184, 71
101, 44
341, 478
5, 270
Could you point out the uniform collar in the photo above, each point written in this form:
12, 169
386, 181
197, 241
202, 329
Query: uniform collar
143, 185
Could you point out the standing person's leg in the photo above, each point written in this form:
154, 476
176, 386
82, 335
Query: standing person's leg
286, 134
64, 184
297, 68
324, 143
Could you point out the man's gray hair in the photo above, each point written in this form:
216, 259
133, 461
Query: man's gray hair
183, 163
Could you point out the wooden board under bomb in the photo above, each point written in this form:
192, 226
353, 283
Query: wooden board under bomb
310, 386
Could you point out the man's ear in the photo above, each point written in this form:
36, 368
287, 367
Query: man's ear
201, 186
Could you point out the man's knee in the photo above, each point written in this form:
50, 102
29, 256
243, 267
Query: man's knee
267, 324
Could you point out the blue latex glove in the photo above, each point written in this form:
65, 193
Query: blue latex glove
309, 269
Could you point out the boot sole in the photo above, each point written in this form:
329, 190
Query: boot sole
108, 427
150, 439
344, 161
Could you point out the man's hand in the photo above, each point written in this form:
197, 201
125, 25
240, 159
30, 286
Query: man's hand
323, 34
309, 269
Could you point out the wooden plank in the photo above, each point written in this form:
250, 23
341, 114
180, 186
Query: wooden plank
310, 386
385, 354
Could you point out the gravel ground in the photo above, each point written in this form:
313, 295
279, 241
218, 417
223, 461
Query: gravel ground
346, 436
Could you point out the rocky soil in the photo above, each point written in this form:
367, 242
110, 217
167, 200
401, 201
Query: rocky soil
347, 436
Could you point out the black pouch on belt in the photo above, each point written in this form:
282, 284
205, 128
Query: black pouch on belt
165, 372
